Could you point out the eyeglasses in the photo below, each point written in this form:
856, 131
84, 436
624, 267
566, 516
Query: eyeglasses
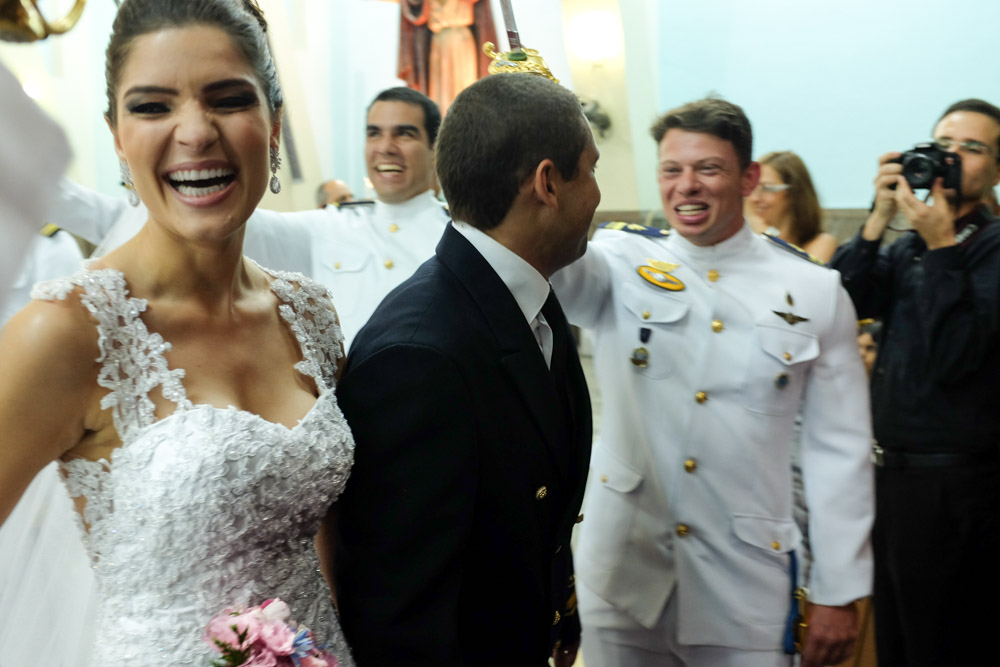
773, 187
971, 147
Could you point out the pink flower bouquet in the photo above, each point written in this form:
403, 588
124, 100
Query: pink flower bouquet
263, 636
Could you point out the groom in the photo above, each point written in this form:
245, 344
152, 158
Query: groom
469, 406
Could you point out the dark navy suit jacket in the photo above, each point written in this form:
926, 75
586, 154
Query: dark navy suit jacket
453, 534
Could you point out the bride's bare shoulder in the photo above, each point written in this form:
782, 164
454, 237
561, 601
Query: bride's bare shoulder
48, 352
50, 339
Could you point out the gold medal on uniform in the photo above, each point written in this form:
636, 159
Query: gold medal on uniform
640, 355
658, 273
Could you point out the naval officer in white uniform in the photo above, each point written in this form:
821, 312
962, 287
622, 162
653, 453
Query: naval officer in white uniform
360, 250
374, 246
708, 342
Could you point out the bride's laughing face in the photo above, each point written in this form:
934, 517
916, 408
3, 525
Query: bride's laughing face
194, 128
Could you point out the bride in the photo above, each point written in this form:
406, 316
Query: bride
186, 392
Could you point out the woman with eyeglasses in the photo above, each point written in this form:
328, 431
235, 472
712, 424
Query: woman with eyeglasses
785, 205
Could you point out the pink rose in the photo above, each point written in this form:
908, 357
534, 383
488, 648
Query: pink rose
249, 620
221, 628
277, 637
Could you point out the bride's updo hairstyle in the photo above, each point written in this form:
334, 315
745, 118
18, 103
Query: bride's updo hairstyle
242, 20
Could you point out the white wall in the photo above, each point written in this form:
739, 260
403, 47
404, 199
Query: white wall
837, 81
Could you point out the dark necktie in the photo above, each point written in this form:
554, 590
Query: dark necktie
560, 334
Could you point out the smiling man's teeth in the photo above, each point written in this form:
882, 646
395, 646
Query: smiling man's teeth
199, 174
691, 208
382, 168
191, 191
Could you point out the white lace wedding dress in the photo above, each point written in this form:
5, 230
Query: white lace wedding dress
207, 508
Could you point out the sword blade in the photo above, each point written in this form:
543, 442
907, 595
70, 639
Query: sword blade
508, 19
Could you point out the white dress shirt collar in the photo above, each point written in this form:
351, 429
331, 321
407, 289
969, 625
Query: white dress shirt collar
529, 287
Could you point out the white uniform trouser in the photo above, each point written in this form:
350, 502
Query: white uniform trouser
612, 639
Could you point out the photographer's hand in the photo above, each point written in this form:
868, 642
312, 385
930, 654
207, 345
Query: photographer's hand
884, 209
935, 223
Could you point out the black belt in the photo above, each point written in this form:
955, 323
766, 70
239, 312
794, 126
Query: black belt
895, 459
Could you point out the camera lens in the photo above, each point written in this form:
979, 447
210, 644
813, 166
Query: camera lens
919, 171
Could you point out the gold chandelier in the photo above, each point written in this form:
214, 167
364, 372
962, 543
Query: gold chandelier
22, 21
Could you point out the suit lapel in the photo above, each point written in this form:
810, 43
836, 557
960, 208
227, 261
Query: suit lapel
520, 357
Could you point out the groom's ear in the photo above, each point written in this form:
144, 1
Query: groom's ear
544, 184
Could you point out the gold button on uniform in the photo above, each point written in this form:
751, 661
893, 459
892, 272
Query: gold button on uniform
690, 465
393, 228
776, 545
604, 479
787, 356
579, 519
701, 397
713, 275
717, 326
645, 314
556, 620
336, 265
682, 530
389, 264
541, 492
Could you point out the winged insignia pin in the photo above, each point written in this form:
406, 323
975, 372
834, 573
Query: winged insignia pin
791, 318
665, 267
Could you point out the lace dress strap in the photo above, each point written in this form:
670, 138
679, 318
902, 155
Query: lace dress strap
309, 312
132, 361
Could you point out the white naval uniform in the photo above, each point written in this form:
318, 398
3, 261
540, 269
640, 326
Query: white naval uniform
50, 255
690, 482
369, 249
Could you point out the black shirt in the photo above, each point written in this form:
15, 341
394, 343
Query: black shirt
936, 382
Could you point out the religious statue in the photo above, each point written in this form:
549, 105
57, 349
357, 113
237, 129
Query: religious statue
440, 45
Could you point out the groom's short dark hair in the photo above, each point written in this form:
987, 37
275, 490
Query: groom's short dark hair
495, 134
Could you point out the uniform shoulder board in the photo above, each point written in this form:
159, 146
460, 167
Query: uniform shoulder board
357, 203
794, 249
49, 230
635, 229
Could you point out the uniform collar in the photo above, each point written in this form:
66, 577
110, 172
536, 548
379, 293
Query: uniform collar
734, 245
411, 208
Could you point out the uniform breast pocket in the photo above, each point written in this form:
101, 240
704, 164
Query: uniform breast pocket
650, 319
343, 269
762, 546
777, 370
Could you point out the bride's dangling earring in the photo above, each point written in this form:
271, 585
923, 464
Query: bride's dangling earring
275, 164
133, 196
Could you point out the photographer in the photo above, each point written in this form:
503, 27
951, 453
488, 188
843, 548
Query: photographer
935, 391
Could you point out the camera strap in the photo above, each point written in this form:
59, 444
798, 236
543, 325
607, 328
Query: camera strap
969, 229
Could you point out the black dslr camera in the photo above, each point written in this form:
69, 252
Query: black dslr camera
926, 162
